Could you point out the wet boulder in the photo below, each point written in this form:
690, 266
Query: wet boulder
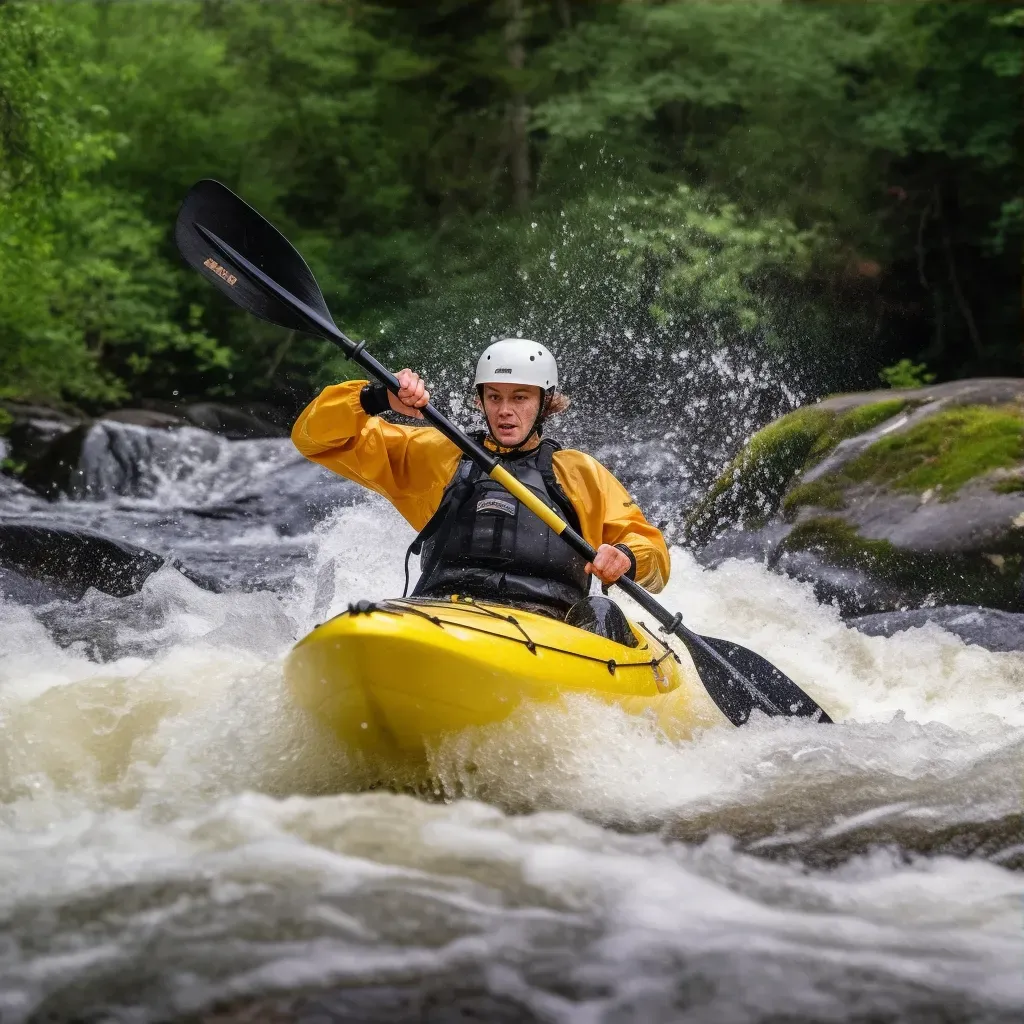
110, 458
41, 560
25, 590
55, 468
884, 500
244, 422
986, 627
49, 449
55, 454
232, 422
94, 459
150, 418
32, 428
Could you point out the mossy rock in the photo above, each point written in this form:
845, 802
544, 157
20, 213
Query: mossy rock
818, 493
940, 454
854, 422
920, 577
1012, 485
751, 489
900, 499
945, 450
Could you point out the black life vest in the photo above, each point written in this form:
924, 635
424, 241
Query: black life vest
483, 543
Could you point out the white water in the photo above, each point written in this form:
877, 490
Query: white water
169, 841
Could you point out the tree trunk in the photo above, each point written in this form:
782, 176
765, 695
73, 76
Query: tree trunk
954, 277
519, 143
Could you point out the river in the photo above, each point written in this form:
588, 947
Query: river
178, 843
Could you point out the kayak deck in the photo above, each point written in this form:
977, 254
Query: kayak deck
390, 677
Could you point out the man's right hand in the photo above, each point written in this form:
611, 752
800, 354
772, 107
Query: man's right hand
412, 395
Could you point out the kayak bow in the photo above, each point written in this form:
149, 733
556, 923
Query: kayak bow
391, 678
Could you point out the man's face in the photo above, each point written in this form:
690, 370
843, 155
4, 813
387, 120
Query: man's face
511, 410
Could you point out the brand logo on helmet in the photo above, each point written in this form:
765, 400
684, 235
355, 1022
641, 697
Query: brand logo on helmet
503, 369
221, 272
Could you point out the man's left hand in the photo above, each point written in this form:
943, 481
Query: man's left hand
609, 564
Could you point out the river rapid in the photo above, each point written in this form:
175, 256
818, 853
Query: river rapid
177, 842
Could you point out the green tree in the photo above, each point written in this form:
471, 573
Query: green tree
44, 151
945, 121
88, 310
626, 179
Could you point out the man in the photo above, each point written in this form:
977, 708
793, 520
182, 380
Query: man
475, 538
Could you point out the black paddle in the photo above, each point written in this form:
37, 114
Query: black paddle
249, 260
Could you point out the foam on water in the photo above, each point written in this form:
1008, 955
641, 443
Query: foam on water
569, 922
150, 855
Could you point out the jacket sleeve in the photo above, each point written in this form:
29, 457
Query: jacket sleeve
410, 466
608, 515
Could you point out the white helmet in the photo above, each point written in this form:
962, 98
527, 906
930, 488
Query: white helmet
517, 361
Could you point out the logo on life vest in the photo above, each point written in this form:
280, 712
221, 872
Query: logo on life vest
221, 272
507, 508
503, 369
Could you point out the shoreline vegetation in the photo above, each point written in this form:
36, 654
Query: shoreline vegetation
836, 185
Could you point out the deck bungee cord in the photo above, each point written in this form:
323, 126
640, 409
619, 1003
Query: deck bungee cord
394, 606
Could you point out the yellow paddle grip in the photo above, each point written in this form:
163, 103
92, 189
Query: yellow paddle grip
528, 498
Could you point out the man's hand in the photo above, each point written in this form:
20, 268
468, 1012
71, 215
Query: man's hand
609, 564
411, 397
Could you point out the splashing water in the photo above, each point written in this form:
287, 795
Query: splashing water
177, 841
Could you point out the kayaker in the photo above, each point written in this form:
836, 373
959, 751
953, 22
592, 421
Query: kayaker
475, 539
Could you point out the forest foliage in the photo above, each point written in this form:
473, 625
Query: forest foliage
837, 183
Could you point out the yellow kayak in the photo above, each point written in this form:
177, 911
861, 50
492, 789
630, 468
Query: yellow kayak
393, 677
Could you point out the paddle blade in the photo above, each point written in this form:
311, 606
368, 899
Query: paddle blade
213, 211
740, 682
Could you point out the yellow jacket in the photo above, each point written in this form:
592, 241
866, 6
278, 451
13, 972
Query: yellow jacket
412, 466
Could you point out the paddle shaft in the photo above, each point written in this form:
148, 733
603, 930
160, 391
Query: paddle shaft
491, 464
